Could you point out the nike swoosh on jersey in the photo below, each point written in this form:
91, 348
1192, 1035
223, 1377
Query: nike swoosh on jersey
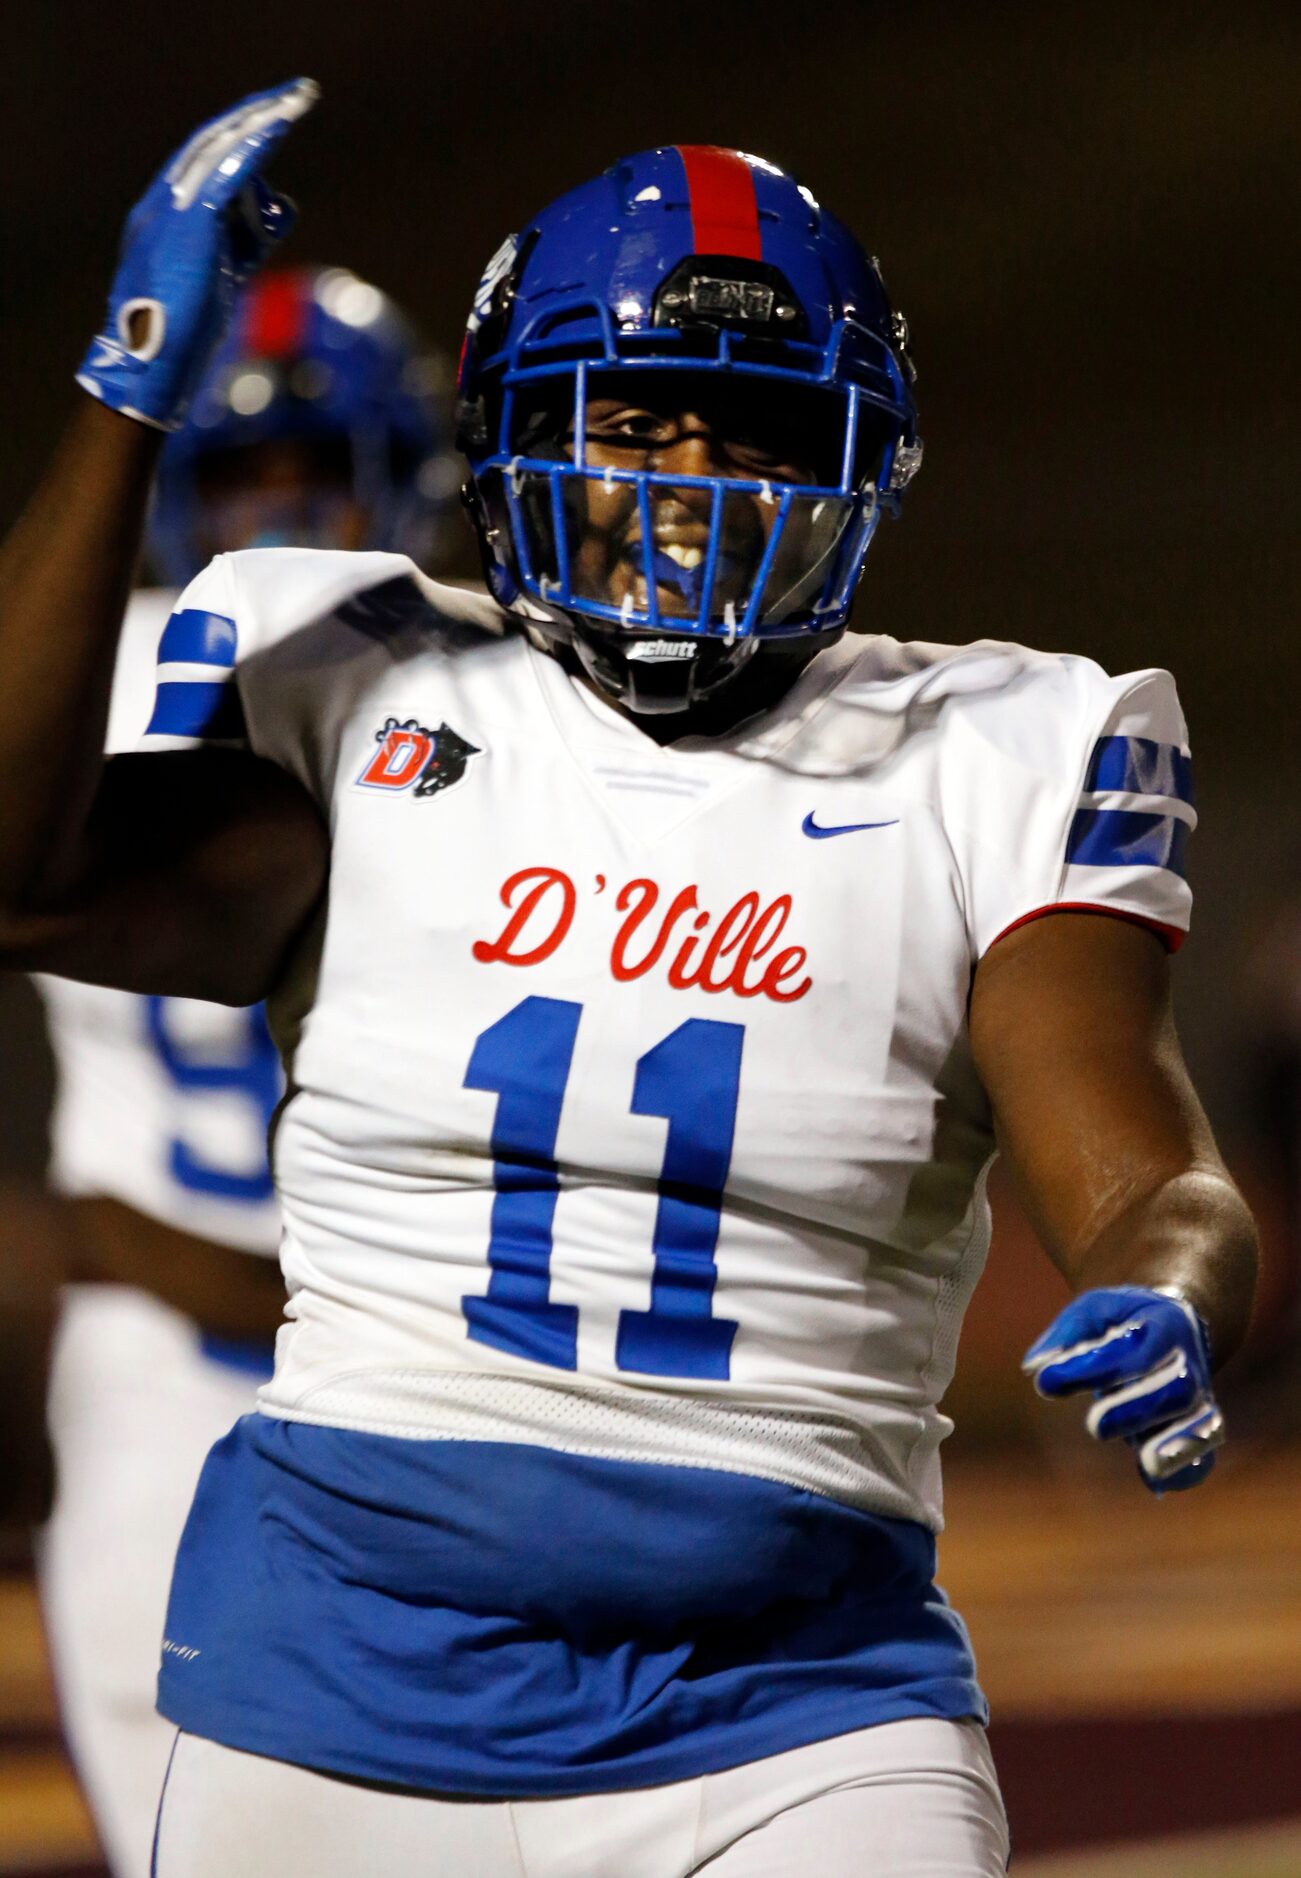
810, 827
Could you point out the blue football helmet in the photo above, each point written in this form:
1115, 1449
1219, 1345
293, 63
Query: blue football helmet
691, 261
316, 356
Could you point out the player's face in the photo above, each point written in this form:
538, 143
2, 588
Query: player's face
290, 493
695, 426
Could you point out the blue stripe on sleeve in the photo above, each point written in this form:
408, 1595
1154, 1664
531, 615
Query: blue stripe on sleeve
1124, 838
193, 708
198, 638
1142, 767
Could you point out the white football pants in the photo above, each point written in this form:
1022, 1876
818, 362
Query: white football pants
909, 1799
134, 1408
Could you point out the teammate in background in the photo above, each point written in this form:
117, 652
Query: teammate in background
318, 426
678, 965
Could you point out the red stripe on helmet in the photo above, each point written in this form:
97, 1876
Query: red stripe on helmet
275, 315
724, 210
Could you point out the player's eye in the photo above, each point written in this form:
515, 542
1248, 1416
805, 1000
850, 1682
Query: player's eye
630, 427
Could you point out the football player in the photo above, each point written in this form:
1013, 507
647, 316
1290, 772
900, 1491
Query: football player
654, 980
317, 426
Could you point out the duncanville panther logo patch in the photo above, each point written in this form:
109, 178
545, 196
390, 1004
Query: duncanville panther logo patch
413, 759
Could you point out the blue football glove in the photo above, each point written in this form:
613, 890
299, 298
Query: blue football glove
1146, 1357
205, 223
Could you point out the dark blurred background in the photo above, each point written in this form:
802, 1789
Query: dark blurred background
1090, 214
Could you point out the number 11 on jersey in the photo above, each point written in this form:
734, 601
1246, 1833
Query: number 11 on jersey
691, 1078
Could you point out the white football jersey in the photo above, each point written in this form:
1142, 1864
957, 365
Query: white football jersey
632, 1110
162, 1103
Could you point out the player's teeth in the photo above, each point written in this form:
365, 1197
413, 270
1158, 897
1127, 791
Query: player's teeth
685, 557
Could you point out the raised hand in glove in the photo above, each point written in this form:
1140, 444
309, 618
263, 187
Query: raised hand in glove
204, 225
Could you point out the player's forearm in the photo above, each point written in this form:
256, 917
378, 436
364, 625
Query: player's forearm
65, 573
205, 222
1191, 1233
35, 1248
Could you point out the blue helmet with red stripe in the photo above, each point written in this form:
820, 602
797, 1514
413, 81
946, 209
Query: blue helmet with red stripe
692, 261
318, 357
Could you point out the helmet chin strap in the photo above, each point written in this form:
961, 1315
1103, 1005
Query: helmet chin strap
657, 674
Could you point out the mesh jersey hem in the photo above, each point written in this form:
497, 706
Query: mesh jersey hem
1171, 937
814, 1453
237, 1725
